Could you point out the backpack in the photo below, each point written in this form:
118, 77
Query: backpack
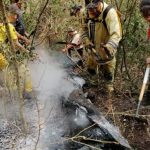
106, 12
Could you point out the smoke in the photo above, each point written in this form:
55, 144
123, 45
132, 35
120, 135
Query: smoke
51, 83
49, 122
48, 76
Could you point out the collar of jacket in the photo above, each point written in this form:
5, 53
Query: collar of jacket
101, 15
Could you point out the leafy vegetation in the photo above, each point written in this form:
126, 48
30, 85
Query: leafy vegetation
134, 47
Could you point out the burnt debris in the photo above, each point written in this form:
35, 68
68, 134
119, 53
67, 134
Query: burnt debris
89, 130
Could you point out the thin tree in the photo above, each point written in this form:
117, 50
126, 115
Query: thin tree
12, 47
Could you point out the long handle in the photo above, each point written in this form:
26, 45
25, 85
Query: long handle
143, 88
74, 62
79, 55
144, 82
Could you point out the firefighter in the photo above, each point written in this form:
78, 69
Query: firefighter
19, 24
76, 10
14, 35
101, 33
23, 70
74, 44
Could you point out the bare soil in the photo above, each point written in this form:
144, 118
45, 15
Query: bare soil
120, 108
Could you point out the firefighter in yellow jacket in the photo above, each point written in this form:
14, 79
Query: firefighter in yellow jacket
23, 70
101, 32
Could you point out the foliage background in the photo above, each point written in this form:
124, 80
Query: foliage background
134, 47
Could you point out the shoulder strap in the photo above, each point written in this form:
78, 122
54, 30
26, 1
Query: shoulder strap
105, 14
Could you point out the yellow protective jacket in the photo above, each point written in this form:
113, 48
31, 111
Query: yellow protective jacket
3, 34
3, 37
98, 34
23, 69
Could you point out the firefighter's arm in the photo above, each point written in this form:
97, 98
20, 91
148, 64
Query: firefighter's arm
14, 36
75, 42
23, 38
67, 47
115, 31
19, 46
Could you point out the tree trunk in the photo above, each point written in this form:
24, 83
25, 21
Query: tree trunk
12, 47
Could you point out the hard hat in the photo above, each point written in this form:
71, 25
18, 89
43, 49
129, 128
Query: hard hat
13, 9
92, 3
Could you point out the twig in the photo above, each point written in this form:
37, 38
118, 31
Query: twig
38, 21
93, 147
125, 114
85, 130
94, 140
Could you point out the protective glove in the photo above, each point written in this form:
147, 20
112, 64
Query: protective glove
109, 50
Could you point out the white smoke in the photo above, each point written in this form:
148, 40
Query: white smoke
48, 76
50, 83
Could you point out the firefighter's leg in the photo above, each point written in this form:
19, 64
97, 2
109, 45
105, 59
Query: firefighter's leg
91, 64
91, 68
108, 71
26, 81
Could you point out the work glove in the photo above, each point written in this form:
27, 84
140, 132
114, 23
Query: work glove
27, 42
148, 60
109, 50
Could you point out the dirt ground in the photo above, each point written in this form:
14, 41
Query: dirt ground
121, 109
